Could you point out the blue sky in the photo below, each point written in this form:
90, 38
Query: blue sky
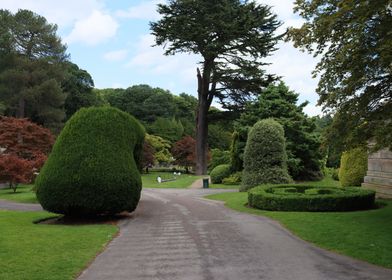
112, 41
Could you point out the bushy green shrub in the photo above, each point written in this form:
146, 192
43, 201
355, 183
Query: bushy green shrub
265, 156
335, 174
309, 198
219, 173
233, 179
93, 167
353, 167
218, 157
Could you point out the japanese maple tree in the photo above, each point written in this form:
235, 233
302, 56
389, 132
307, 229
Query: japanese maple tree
184, 152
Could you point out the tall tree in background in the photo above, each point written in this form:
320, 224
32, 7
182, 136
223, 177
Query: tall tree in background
78, 86
354, 40
31, 70
231, 36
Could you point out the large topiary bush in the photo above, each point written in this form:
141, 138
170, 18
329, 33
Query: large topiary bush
353, 167
93, 167
219, 173
265, 156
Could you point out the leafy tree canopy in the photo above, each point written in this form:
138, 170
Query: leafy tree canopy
354, 40
302, 144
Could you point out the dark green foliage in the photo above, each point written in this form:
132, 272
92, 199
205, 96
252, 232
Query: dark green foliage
219, 173
335, 174
233, 179
218, 137
31, 57
354, 41
218, 157
93, 168
353, 167
78, 85
237, 148
169, 129
265, 156
309, 198
304, 158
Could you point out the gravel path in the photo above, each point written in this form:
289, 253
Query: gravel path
176, 234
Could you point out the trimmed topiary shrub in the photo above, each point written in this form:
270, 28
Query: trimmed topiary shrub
265, 156
309, 198
218, 157
219, 173
93, 167
233, 179
353, 167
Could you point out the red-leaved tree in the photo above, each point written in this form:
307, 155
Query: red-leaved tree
24, 147
184, 152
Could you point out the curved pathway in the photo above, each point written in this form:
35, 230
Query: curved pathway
176, 234
16, 206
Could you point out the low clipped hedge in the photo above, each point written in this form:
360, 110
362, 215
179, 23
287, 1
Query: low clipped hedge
219, 173
293, 197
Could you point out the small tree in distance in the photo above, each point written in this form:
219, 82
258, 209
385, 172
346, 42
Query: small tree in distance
184, 152
24, 147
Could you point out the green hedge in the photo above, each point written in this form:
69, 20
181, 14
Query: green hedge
233, 179
265, 156
93, 167
353, 167
219, 173
309, 198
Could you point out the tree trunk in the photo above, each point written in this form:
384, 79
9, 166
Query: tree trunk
21, 108
205, 96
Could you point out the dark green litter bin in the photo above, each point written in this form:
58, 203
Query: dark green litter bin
205, 183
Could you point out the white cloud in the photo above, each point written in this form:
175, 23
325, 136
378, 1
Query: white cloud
98, 27
313, 110
116, 55
146, 10
63, 13
182, 67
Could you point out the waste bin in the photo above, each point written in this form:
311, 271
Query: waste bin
205, 183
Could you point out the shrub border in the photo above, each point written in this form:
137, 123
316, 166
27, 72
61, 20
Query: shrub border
348, 199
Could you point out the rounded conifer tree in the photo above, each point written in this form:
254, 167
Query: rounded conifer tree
93, 167
265, 156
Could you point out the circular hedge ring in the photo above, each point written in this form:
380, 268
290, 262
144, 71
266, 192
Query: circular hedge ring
308, 198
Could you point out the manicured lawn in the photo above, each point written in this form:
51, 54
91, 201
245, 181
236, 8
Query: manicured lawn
365, 235
222, 186
24, 194
183, 181
31, 251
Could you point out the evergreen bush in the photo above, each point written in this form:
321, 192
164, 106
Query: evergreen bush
309, 198
219, 173
93, 167
265, 156
353, 167
233, 179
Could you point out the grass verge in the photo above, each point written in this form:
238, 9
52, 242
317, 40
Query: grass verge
23, 194
365, 235
51, 252
181, 182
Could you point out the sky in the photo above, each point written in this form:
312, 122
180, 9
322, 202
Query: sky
112, 41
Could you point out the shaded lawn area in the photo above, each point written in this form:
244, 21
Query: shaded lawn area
50, 252
365, 235
23, 194
222, 186
183, 181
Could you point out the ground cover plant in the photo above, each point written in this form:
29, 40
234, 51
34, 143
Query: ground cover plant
93, 167
295, 197
366, 235
52, 252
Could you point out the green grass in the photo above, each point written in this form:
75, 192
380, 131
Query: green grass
183, 181
47, 252
365, 235
222, 186
23, 194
